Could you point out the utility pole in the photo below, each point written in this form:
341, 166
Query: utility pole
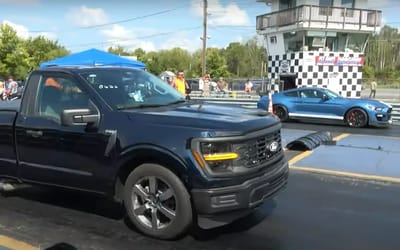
204, 38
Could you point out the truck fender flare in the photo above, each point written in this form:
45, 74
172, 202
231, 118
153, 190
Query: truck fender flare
139, 154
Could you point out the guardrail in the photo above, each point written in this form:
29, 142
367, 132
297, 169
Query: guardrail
251, 102
396, 113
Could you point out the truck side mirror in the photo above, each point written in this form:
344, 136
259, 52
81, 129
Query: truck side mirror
71, 117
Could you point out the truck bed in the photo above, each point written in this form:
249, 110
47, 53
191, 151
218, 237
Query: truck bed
10, 105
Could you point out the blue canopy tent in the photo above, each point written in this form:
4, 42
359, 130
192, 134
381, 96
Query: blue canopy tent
93, 57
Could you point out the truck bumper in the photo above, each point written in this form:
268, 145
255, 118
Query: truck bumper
242, 198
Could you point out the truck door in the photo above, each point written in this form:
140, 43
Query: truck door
52, 153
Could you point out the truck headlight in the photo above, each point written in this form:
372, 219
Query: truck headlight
217, 156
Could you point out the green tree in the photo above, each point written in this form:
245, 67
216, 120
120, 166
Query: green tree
151, 59
195, 63
174, 59
119, 50
19, 56
12, 53
254, 59
216, 64
383, 54
40, 49
139, 53
233, 55
368, 72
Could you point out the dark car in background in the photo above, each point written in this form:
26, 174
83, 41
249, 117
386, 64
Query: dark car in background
193, 84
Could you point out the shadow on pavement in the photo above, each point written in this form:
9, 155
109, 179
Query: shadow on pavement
62, 246
98, 205
240, 225
84, 202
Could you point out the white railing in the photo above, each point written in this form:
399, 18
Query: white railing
311, 16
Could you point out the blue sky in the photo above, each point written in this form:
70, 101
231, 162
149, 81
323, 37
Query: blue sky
151, 25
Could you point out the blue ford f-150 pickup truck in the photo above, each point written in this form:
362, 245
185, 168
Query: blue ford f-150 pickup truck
126, 134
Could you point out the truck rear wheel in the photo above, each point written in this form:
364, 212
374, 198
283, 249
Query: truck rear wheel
157, 202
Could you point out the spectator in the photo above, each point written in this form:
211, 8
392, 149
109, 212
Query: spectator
201, 85
170, 80
12, 88
373, 89
248, 86
221, 85
2, 89
206, 85
180, 84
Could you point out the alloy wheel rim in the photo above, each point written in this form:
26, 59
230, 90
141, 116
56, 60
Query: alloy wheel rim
356, 118
154, 203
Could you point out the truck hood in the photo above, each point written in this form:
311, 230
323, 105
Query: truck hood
206, 117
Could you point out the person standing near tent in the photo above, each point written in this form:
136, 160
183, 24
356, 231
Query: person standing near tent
180, 84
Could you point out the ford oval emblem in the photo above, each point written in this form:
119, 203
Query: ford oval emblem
273, 147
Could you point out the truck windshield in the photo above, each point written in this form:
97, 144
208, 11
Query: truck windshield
125, 88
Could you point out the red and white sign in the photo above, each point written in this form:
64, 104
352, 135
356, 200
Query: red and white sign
339, 60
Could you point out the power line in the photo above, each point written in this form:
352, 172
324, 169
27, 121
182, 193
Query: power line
141, 37
119, 21
131, 19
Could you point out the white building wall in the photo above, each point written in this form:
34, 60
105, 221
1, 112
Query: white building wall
274, 6
278, 47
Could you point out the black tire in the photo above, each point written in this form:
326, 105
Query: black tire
159, 206
281, 112
356, 118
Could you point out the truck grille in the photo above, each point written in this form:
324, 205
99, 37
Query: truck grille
259, 151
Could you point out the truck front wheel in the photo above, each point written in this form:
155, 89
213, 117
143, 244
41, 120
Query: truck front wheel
157, 202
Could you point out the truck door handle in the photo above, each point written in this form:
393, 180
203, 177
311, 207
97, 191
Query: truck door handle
34, 133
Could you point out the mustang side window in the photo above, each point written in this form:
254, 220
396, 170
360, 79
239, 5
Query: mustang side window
310, 93
57, 94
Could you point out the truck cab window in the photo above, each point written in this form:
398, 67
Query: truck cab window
57, 94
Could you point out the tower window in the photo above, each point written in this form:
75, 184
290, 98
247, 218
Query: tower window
325, 7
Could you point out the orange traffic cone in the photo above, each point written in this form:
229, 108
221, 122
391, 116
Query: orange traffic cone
270, 108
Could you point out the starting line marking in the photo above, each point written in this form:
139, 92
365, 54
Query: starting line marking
10, 243
347, 174
304, 154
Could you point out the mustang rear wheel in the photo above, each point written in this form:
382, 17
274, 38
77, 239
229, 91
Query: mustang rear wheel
281, 112
157, 202
356, 118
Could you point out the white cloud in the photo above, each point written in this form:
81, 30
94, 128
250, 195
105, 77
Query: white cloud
118, 35
21, 30
181, 40
24, 32
84, 16
218, 14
